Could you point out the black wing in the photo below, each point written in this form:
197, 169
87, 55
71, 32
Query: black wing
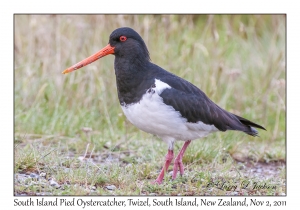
195, 106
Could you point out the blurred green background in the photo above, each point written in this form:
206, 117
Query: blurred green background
238, 60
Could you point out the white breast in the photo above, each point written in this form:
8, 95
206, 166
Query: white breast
153, 116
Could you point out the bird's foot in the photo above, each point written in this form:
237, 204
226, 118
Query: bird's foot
177, 164
157, 181
178, 161
169, 158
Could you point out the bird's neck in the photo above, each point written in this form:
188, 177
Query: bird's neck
131, 75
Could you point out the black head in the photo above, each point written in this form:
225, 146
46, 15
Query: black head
127, 46
128, 43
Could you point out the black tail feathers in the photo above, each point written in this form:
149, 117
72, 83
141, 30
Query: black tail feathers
251, 126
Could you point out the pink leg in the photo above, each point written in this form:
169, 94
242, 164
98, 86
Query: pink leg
169, 158
178, 160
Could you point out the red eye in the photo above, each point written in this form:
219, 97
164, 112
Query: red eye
123, 38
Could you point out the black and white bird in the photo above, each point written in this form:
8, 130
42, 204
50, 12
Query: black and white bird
161, 103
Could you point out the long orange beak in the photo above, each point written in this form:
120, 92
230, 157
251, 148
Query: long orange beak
105, 51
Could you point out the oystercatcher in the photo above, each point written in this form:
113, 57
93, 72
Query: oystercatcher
161, 103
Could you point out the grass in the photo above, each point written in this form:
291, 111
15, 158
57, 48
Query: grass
237, 60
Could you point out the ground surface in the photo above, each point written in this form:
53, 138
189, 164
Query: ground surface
51, 168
